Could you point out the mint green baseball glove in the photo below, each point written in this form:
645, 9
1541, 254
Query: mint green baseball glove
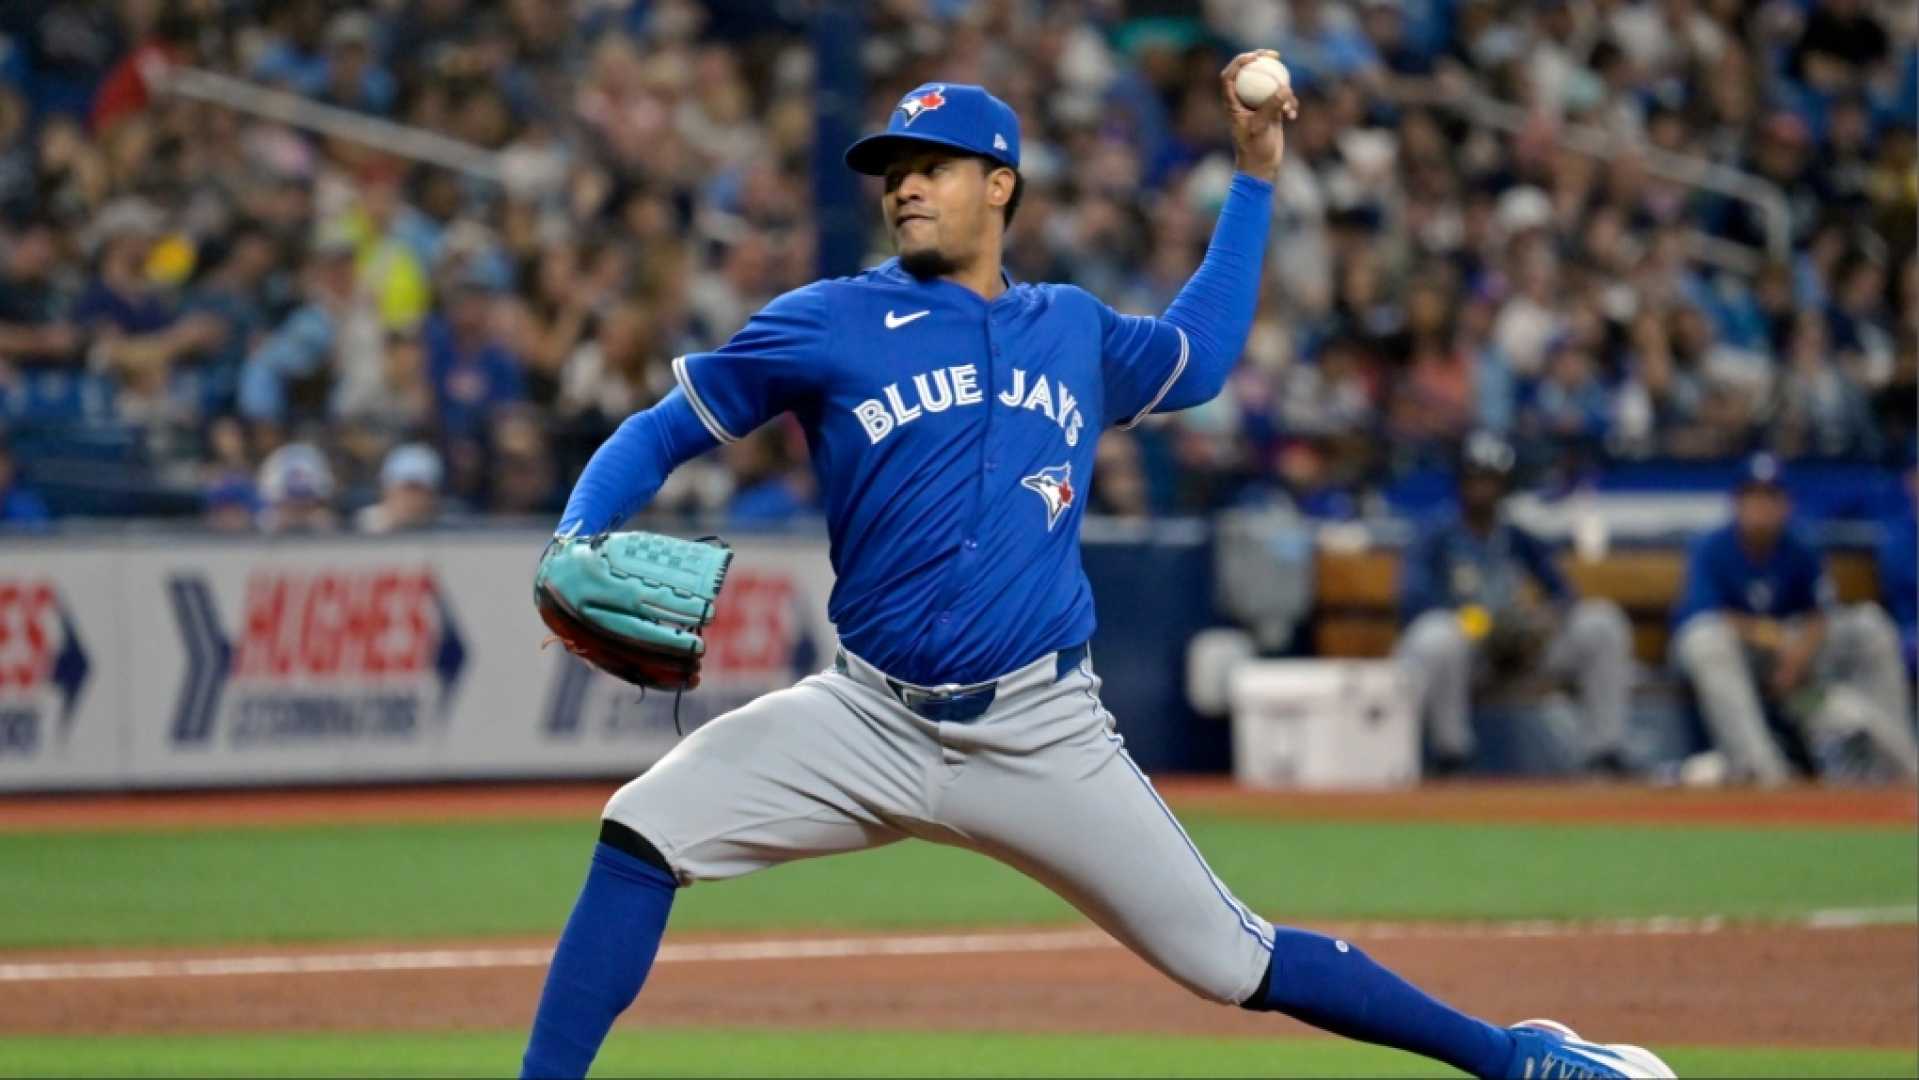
633, 604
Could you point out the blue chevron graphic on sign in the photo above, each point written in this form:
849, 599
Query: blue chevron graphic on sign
450, 658
69, 669
565, 699
209, 657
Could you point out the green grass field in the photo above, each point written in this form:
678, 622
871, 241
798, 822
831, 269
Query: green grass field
426, 881
735, 1052
313, 883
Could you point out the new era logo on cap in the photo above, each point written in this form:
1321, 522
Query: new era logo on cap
999, 141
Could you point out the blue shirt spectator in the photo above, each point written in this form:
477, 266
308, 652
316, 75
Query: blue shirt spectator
473, 376
20, 507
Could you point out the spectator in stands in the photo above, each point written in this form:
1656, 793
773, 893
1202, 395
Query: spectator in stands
1568, 406
232, 506
1759, 631
354, 78
519, 472
335, 335
617, 372
474, 375
774, 487
676, 158
409, 492
137, 331
296, 484
236, 272
1470, 627
20, 507
1820, 410
40, 348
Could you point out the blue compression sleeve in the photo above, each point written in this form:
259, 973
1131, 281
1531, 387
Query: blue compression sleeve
629, 467
1331, 985
1215, 309
601, 962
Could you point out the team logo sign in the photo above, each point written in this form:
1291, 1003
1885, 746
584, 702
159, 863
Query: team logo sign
43, 665
761, 640
922, 101
323, 656
1055, 485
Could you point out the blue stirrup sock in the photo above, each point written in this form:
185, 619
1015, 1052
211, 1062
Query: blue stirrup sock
1331, 985
602, 959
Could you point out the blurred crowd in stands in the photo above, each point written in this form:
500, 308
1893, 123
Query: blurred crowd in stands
304, 333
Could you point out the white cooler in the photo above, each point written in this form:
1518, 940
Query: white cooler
1323, 724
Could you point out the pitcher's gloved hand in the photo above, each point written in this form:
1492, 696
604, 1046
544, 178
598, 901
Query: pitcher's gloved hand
633, 604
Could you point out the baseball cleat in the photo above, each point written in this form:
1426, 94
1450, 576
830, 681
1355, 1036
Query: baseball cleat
1549, 1050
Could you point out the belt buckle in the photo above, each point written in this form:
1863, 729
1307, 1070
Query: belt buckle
914, 696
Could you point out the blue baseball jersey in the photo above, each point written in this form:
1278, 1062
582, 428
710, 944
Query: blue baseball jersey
1448, 565
953, 440
1721, 576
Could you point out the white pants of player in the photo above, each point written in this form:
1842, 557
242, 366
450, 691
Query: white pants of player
1041, 782
1858, 668
1592, 649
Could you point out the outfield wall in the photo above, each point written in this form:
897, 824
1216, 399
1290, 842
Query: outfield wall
141, 662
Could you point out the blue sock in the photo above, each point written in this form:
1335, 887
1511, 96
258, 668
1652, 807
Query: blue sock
603, 956
1331, 985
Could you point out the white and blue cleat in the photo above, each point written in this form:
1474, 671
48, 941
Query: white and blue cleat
1549, 1050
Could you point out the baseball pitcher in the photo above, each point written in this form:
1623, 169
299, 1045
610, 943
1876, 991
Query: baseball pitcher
952, 415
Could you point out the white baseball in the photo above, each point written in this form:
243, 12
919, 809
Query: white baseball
1259, 80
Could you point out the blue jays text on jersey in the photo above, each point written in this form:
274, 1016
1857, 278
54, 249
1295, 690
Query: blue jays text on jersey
952, 437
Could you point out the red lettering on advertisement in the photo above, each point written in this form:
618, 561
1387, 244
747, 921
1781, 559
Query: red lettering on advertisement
266, 601
338, 624
377, 621
28, 633
752, 629
323, 626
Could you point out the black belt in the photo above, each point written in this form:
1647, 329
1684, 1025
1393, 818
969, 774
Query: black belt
963, 704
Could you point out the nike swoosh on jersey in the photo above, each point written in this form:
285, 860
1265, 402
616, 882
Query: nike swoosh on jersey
894, 322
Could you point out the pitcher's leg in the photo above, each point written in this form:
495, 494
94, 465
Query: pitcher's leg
1594, 650
794, 774
1090, 827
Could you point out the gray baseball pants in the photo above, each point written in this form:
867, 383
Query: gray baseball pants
1858, 668
1040, 782
1592, 648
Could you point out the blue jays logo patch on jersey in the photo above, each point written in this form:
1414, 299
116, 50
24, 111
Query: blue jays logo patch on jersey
1055, 485
922, 101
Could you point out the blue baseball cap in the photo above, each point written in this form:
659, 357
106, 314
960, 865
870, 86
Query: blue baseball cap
952, 115
1760, 471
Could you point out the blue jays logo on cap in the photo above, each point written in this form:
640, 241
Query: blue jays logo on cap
952, 115
920, 101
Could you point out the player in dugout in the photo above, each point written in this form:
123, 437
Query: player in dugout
1763, 640
1473, 628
